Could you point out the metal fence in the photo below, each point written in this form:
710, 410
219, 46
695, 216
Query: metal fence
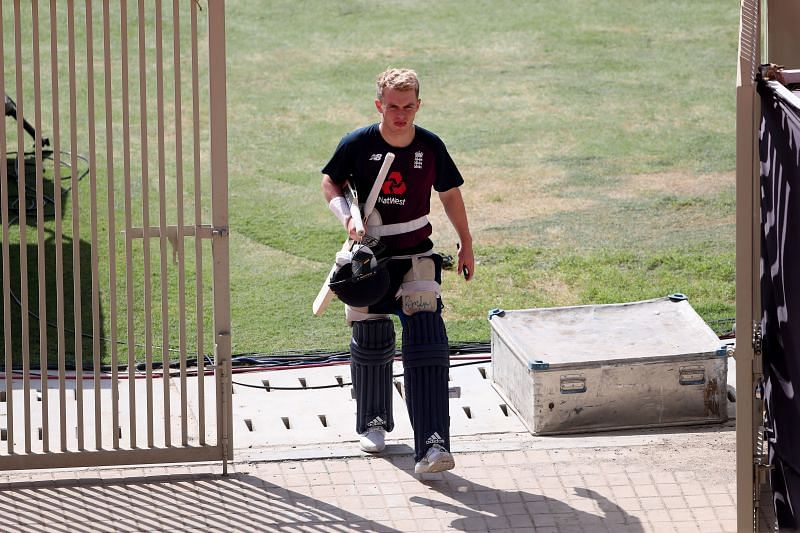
113, 198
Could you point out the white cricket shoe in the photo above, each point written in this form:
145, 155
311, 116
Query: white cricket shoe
373, 440
437, 459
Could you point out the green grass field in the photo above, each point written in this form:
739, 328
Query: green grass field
596, 140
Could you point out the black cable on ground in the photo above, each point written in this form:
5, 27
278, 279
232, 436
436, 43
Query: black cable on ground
263, 361
338, 385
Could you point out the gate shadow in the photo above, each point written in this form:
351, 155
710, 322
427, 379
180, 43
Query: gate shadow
13, 270
196, 502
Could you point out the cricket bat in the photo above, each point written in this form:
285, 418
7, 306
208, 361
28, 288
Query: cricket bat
351, 195
325, 294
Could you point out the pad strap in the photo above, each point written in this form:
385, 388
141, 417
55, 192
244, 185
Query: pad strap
373, 342
355, 314
411, 287
412, 256
425, 341
398, 228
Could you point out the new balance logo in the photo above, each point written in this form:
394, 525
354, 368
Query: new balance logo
377, 421
435, 439
376, 157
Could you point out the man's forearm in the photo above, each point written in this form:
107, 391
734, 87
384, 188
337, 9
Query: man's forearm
330, 190
456, 212
334, 195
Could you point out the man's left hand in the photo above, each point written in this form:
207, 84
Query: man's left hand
466, 261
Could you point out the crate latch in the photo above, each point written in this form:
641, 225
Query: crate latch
496, 312
692, 375
572, 384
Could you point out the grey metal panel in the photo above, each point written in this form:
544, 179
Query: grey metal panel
631, 395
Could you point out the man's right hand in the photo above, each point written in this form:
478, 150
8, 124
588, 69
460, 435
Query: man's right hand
351, 230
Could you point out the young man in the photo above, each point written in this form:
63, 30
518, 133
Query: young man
421, 164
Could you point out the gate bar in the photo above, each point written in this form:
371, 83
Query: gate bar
59, 231
148, 298
8, 383
91, 458
112, 237
198, 218
162, 219
179, 201
23, 230
126, 155
43, 347
76, 232
98, 434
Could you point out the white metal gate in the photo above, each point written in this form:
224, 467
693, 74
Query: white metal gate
113, 198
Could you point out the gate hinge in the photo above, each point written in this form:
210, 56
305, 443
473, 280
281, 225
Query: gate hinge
761, 456
757, 338
758, 389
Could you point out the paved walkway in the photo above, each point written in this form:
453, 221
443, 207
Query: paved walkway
310, 476
680, 480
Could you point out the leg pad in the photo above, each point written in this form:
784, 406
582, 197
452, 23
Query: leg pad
426, 362
372, 350
425, 341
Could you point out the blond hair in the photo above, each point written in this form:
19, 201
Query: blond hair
400, 79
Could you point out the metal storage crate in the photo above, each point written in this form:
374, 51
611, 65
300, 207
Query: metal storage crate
601, 367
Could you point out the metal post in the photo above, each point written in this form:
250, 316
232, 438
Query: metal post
219, 219
747, 253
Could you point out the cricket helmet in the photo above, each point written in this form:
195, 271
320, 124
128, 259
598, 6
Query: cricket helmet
361, 282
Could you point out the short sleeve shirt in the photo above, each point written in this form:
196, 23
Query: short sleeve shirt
422, 166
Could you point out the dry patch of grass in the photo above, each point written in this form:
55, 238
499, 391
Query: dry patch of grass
493, 200
678, 183
554, 289
505, 287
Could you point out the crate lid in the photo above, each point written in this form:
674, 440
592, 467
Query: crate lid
585, 334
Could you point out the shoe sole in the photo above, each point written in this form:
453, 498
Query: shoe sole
372, 450
371, 447
444, 463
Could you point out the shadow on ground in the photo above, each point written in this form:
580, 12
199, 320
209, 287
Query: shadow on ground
484, 508
246, 502
191, 502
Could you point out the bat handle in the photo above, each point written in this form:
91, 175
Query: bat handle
355, 212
